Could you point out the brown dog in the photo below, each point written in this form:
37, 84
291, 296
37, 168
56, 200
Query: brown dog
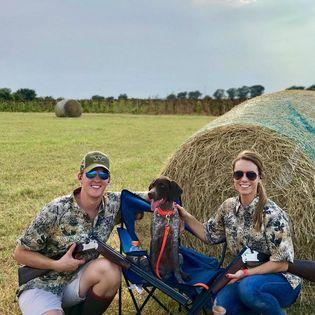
165, 229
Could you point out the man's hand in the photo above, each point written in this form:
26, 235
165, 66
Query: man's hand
67, 263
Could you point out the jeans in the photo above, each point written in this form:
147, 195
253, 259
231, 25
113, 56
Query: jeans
258, 294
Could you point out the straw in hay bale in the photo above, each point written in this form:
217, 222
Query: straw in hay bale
280, 127
68, 108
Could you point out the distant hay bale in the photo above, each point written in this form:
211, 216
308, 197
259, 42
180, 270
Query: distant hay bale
68, 108
280, 127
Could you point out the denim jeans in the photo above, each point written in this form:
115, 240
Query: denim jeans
258, 294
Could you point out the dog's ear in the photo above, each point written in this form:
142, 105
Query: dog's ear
175, 191
152, 184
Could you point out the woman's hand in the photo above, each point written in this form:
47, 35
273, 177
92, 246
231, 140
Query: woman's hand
67, 263
238, 275
181, 226
183, 213
196, 226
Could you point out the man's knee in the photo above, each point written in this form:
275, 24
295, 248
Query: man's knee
103, 270
103, 276
104, 267
54, 312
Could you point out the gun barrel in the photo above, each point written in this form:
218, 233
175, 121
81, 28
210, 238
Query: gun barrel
117, 258
303, 268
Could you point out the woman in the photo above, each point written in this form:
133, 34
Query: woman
251, 219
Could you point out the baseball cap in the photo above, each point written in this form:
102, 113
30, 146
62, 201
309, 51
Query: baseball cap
94, 159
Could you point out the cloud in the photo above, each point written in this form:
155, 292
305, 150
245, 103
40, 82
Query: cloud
247, 1
208, 2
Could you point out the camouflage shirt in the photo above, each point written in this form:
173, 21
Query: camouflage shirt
61, 223
233, 223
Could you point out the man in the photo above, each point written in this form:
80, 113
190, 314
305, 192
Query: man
61, 224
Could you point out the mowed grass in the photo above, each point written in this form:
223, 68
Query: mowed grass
39, 159
40, 156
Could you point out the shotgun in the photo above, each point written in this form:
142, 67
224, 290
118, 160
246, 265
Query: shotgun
251, 258
114, 256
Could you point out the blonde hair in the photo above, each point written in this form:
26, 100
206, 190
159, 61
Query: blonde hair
261, 191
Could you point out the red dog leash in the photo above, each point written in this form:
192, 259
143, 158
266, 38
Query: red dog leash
167, 214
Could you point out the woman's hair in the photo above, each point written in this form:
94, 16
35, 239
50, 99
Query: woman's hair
257, 160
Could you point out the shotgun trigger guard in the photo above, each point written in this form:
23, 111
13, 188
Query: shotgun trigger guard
250, 255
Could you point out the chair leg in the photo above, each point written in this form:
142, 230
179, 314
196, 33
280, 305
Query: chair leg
132, 296
156, 299
120, 300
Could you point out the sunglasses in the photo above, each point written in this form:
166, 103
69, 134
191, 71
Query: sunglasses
250, 175
101, 174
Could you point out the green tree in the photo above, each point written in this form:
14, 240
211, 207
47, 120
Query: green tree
182, 95
219, 94
194, 95
123, 96
171, 97
296, 87
97, 98
110, 98
243, 92
207, 97
232, 93
5, 94
24, 95
311, 88
256, 90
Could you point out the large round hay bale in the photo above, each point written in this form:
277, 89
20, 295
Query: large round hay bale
68, 108
279, 126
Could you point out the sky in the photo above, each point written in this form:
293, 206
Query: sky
151, 48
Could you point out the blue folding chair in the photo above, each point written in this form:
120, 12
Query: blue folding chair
192, 296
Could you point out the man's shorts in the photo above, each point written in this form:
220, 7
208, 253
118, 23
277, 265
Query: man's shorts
38, 301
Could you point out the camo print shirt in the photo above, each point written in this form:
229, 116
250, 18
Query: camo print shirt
61, 223
233, 223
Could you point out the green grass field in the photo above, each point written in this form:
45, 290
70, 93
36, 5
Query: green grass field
40, 156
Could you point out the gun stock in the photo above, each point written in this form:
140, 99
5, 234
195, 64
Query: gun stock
303, 268
26, 273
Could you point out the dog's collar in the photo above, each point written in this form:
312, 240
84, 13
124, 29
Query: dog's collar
165, 213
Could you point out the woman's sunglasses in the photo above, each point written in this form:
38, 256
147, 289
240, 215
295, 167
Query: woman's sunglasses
101, 174
250, 175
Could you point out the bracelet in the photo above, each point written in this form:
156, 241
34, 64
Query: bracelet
245, 272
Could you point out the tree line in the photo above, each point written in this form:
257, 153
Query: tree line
241, 93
